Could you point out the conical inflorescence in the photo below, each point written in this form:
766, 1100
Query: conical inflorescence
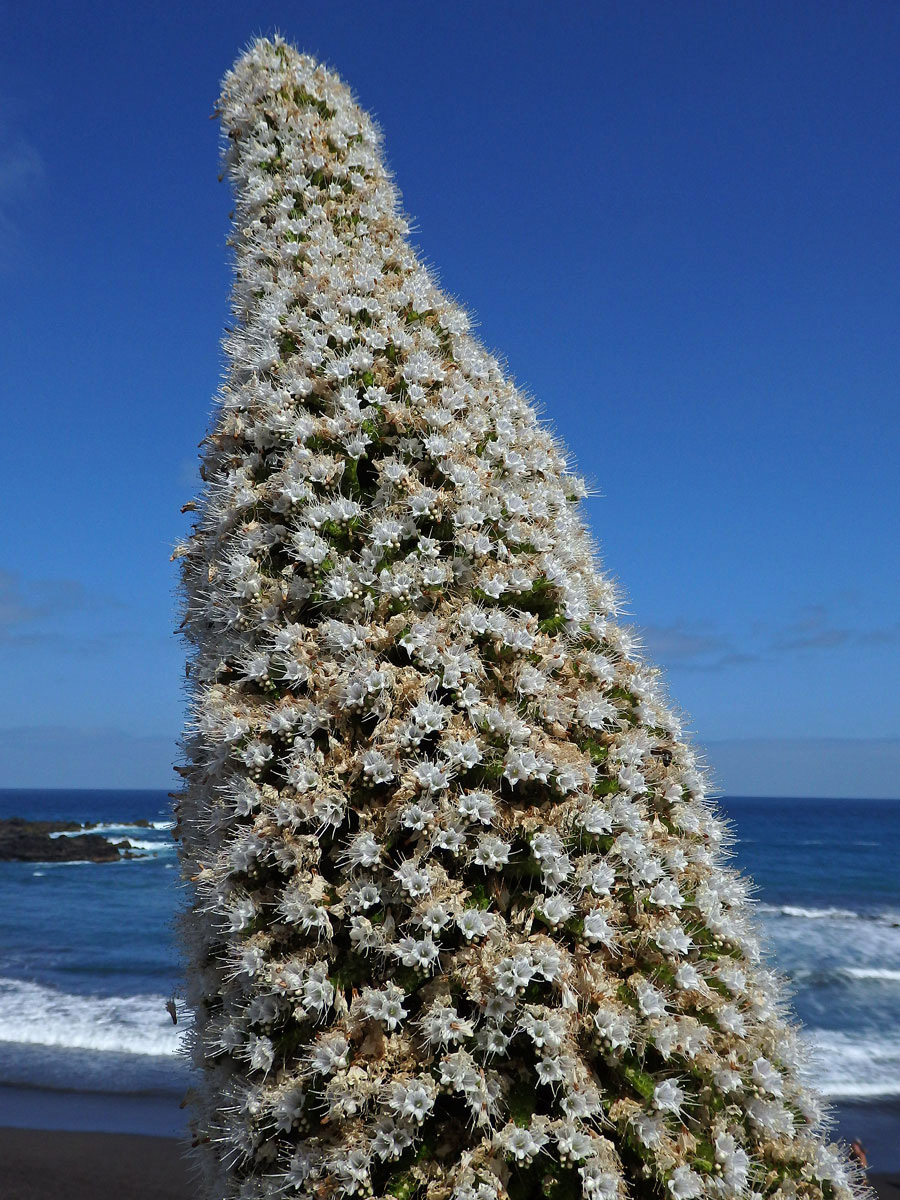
462, 923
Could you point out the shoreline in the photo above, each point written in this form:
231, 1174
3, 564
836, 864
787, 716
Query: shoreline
80, 1165
114, 1113
83, 1145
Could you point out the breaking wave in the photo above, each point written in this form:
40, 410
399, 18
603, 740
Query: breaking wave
32, 1014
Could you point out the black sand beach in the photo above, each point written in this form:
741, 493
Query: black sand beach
36, 1164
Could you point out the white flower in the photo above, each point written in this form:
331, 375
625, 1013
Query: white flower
351, 1171
386, 533
546, 845
491, 853
513, 974
492, 1041
430, 777
523, 1144
595, 819
417, 816
632, 781
596, 928
474, 923
363, 895
649, 1130
731, 1020
772, 1117
376, 768
766, 1077
556, 869
318, 993
428, 716
412, 1101
532, 682
685, 1184
829, 1166
458, 1072
288, 1109
668, 1096
574, 1144
665, 1037
597, 1183
363, 851
244, 853
732, 976
693, 1041
581, 1102
650, 999
391, 1138
733, 1161
462, 755
666, 894
364, 935
672, 939
329, 1054
477, 806
413, 879
241, 914
260, 1052
442, 1025
450, 839
555, 909
549, 1070
298, 909
433, 919
613, 1026
250, 961
547, 961
385, 1005
688, 978
300, 1169
727, 1080
421, 954
595, 711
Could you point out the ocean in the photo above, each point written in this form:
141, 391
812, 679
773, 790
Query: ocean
88, 960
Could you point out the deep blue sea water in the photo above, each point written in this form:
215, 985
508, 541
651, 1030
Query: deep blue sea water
88, 960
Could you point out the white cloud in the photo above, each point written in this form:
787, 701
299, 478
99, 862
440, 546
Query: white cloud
21, 167
21, 172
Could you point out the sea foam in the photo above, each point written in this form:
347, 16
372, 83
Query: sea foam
845, 1066
37, 1015
809, 914
793, 912
134, 844
111, 827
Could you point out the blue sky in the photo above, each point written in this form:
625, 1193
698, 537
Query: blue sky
678, 224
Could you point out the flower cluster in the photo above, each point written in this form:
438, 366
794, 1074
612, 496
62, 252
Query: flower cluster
462, 922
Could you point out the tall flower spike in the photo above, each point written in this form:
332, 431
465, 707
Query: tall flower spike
462, 924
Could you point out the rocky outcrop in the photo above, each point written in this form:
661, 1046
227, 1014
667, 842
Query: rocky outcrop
31, 841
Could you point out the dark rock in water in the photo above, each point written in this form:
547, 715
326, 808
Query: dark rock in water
30, 841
